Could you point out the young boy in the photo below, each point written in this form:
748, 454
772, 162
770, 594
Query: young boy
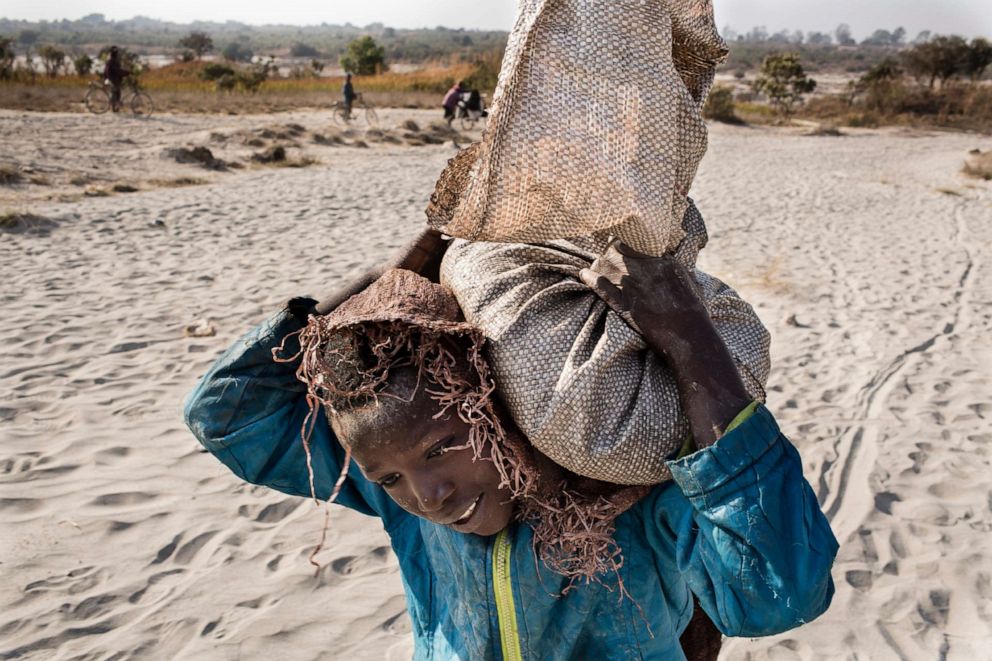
738, 528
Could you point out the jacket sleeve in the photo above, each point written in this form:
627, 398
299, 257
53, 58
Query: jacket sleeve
248, 411
746, 531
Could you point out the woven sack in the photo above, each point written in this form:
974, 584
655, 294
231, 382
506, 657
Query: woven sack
579, 382
596, 126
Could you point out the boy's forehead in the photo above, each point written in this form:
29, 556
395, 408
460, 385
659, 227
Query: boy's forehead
391, 423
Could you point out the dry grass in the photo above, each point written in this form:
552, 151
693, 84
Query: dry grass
179, 88
771, 278
979, 165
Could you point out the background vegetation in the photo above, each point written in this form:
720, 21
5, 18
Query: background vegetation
885, 78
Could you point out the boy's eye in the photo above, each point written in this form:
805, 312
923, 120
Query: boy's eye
438, 448
388, 481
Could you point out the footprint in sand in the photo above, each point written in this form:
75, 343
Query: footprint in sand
351, 565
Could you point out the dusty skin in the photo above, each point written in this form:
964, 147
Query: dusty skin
867, 255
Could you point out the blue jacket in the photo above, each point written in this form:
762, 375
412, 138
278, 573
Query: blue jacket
738, 527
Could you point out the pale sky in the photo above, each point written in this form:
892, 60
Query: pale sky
967, 17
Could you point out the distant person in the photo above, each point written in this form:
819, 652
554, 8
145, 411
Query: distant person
349, 95
451, 100
114, 73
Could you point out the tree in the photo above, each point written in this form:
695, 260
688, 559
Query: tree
198, 42
300, 49
27, 38
364, 57
878, 38
237, 51
978, 58
819, 39
843, 35
52, 59
783, 80
899, 36
940, 58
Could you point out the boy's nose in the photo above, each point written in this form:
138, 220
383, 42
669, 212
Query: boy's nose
432, 494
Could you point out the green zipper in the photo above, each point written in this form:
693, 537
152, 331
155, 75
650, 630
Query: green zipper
509, 635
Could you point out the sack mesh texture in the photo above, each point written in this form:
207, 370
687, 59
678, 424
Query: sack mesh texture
596, 126
578, 380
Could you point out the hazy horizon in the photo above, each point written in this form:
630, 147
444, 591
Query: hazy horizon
967, 17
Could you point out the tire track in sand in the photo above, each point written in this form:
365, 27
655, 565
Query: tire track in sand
844, 488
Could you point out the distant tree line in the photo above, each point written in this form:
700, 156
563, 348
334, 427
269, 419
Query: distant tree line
325, 41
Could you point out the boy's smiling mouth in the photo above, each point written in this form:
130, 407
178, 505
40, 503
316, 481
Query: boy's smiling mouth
466, 516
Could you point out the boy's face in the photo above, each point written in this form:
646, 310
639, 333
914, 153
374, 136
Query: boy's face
404, 451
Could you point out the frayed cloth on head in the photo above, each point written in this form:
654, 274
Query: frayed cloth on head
404, 320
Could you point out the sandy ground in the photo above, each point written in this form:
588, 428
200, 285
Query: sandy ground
866, 255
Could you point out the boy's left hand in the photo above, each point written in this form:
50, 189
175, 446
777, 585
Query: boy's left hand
657, 295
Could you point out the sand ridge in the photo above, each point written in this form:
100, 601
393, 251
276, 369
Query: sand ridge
866, 255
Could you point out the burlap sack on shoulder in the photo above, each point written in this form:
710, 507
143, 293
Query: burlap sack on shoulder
596, 126
579, 382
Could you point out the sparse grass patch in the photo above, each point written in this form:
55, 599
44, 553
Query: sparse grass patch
770, 277
301, 162
979, 165
949, 191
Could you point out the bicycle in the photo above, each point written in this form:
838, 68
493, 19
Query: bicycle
98, 98
343, 116
472, 110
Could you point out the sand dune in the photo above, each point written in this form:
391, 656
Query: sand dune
867, 256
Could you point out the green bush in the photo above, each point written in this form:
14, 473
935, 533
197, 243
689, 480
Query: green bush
216, 71
83, 65
720, 105
364, 57
237, 52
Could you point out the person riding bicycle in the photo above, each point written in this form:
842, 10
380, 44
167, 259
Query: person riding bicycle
115, 73
349, 95
451, 99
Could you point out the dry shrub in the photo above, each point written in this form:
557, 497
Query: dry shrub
178, 182
13, 222
9, 175
979, 165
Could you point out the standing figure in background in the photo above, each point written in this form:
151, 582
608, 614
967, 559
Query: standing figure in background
451, 99
114, 74
349, 95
